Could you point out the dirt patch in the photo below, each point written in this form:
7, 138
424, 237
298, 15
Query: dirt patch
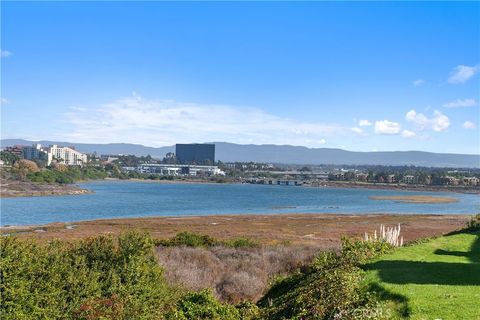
416, 199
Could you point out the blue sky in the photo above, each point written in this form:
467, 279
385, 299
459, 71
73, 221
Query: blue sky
358, 76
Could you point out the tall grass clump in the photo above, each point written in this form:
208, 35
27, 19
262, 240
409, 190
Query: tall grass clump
390, 235
474, 223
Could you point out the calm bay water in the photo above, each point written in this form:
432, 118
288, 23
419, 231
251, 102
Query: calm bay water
122, 199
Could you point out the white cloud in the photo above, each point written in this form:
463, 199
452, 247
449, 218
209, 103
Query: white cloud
418, 82
364, 123
78, 109
469, 125
387, 127
462, 73
159, 123
439, 122
408, 134
4, 101
357, 130
459, 103
419, 119
5, 53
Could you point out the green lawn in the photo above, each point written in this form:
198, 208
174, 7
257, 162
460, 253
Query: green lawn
439, 279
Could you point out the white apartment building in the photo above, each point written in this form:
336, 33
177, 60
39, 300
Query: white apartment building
65, 155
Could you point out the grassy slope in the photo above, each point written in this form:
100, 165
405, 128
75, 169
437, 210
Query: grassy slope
439, 279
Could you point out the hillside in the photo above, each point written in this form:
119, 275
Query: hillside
230, 152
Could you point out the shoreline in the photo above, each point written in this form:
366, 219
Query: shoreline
324, 184
399, 187
321, 229
31, 189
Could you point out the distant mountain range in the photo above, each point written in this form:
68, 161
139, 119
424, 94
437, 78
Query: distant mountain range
230, 152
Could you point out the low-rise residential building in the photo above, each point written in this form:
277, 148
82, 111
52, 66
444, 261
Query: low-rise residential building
470, 181
390, 178
361, 176
451, 181
409, 179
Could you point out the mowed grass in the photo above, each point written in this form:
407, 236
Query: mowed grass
438, 279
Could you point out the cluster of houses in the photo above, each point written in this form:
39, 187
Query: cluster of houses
407, 179
297, 176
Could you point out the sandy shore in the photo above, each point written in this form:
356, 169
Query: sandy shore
416, 199
323, 230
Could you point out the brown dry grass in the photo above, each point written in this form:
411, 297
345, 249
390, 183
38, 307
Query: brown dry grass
323, 230
416, 199
234, 274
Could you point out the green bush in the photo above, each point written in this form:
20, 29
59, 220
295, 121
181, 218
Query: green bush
249, 311
70, 175
332, 287
196, 240
359, 251
241, 243
203, 305
189, 239
113, 278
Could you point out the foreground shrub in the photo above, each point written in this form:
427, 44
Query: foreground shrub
332, 287
358, 252
249, 311
326, 290
203, 305
113, 278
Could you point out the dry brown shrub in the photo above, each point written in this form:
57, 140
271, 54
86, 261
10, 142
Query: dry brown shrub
23, 167
26, 165
234, 274
60, 167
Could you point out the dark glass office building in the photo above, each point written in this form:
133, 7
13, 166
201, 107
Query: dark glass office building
202, 154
